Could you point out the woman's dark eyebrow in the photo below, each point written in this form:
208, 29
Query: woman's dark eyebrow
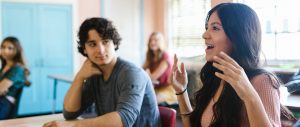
206, 25
216, 23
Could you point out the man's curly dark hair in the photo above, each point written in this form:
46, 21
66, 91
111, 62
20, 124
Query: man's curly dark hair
105, 29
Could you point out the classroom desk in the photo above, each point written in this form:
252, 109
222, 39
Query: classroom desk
37, 121
291, 101
65, 78
282, 70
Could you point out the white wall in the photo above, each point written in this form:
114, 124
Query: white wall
125, 15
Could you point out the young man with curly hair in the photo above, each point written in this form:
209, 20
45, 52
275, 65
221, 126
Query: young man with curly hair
122, 92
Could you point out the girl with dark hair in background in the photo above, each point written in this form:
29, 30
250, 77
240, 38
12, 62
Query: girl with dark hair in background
236, 91
13, 74
158, 65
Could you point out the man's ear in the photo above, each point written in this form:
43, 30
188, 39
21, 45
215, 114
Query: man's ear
115, 46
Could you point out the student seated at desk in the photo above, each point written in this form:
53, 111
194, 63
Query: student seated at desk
122, 92
13, 74
236, 91
158, 65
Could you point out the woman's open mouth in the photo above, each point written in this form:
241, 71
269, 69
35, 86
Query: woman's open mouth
209, 47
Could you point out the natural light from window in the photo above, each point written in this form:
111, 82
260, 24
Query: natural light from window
280, 22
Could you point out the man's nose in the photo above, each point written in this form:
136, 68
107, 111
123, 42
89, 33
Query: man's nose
100, 48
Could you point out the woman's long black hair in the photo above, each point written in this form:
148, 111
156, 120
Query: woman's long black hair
242, 27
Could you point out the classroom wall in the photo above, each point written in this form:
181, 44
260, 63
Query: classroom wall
149, 21
155, 19
126, 17
155, 13
216, 2
89, 9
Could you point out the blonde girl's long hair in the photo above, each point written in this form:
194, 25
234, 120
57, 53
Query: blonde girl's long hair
19, 58
161, 41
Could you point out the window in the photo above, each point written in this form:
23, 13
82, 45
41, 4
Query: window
187, 24
280, 22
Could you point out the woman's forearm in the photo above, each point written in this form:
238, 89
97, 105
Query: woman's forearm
256, 113
4, 86
185, 107
159, 71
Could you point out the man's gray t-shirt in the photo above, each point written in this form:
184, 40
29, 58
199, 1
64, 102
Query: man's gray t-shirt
128, 91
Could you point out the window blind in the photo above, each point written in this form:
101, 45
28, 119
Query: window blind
187, 26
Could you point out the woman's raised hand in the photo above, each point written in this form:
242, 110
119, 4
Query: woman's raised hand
235, 75
178, 77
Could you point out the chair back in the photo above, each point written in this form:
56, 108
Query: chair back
14, 111
167, 116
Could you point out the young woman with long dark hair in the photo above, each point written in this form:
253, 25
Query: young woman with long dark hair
236, 91
13, 74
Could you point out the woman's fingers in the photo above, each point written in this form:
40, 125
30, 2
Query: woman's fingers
227, 71
174, 76
175, 63
171, 78
182, 68
175, 67
225, 77
230, 60
225, 63
177, 73
6, 91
